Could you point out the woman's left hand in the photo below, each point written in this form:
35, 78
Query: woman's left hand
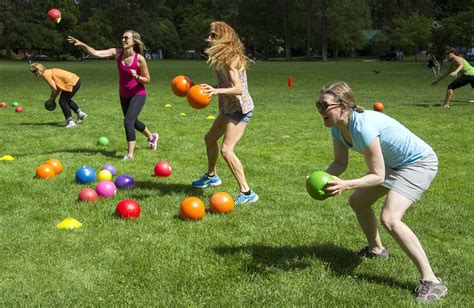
336, 187
453, 74
133, 73
208, 89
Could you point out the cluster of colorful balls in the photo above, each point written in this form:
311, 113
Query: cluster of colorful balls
183, 86
17, 106
49, 169
105, 188
126, 208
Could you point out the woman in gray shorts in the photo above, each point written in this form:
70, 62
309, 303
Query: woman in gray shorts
226, 55
401, 167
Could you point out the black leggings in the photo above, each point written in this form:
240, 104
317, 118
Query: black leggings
66, 103
131, 108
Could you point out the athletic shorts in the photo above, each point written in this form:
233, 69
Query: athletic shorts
240, 117
461, 81
414, 179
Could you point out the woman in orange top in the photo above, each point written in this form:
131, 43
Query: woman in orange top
65, 82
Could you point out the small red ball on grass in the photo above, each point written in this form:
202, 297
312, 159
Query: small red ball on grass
128, 208
88, 195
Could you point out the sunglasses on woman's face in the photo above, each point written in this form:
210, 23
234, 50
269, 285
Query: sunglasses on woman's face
213, 35
323, 106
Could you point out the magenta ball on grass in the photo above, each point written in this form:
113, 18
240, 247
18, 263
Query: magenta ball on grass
106, 189
109, 167
88, 195
125, 181
163, 169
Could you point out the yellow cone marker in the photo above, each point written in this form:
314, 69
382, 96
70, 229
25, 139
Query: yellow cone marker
69, 223
182, 114
7, 157
211, 117
168, 105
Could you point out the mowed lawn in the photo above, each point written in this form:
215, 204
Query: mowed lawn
287, 249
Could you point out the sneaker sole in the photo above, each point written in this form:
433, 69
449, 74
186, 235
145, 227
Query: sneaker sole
208, 185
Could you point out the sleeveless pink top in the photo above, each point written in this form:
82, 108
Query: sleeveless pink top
129, 86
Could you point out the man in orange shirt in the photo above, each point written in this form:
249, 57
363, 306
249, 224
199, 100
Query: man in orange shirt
65, 82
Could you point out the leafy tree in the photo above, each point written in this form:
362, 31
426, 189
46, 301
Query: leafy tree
346, 20
410, 34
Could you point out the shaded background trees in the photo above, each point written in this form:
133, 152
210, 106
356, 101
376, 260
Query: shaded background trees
269, 28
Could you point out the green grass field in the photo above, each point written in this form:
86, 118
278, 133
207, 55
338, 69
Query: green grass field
285, 250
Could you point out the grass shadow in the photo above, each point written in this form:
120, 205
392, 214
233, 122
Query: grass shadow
165, 188
53, 124
340, 261
264, 258
110, 153
427, 104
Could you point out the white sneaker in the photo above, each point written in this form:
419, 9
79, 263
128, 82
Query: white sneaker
126, 157
81, 117
70, 124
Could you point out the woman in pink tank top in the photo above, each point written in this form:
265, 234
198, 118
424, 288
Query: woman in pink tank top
133, 75
226, 55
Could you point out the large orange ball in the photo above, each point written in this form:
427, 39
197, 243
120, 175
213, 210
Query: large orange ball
378, 106
197, 98
56, 164
192, 208
180, 85
221, 202
45, 172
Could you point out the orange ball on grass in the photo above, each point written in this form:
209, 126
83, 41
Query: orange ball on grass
56, 164
192, 208
221, 202
45, 172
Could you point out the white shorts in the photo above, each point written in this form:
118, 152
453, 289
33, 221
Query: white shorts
412, 180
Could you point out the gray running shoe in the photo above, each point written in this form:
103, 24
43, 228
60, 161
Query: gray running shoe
368, 253
81, 117
70, 124
430, 291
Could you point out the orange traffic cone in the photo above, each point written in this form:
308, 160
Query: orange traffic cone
290, 82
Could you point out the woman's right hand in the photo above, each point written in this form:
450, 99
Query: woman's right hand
73, 40
208, 89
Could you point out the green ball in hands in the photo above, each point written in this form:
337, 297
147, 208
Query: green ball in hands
315, 184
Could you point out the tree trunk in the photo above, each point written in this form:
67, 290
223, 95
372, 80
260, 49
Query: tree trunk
324, 31
286, 30
308, 7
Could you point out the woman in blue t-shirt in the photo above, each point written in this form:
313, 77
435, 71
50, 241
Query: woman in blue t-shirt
401, 167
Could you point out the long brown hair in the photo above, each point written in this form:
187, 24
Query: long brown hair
452, 50
225, 47
343, 94
138, 45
